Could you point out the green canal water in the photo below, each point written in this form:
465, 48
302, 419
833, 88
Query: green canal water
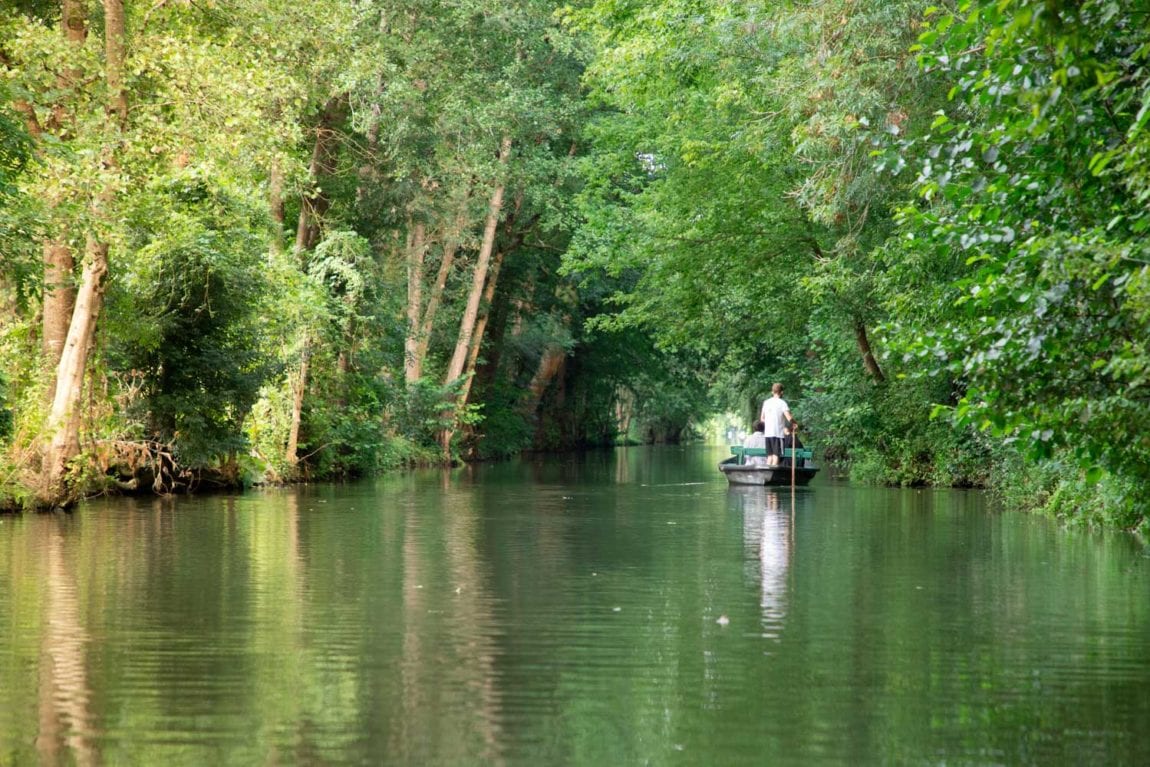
605, 609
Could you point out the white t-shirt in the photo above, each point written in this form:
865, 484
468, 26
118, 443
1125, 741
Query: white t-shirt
756, 439
773, 416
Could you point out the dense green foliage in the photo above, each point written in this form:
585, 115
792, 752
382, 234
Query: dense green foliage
1035, 178
194, 295
958, 190
735, 195
228, 349
613, 217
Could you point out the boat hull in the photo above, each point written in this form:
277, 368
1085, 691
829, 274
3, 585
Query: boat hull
766, 475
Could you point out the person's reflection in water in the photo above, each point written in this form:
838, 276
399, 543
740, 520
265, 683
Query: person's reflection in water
775, 563
767, 527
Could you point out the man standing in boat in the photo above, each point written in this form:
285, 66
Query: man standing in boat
776, 416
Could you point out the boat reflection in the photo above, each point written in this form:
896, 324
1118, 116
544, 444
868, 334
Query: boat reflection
768, 540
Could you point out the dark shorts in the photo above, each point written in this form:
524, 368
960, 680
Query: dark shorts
775, 446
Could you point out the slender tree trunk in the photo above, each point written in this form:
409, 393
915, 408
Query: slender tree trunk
514, 241
624, 410
479, 278
416, 254
323, 157
869, 361
366, 174
427, 324
550, 364
450, 246
291, 456
480, 328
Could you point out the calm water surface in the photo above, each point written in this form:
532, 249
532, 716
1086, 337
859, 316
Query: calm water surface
616, 608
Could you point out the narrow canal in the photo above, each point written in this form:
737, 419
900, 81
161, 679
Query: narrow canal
605, 609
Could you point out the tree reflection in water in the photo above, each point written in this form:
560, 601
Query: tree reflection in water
65, 721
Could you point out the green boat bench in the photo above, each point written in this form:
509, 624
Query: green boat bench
743, 453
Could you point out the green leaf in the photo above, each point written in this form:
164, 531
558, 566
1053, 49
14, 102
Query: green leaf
1099, 162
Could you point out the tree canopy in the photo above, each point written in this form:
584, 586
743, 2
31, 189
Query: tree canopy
271, 240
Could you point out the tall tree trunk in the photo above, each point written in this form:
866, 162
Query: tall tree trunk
451, 241
59, 296
117, 105
478, 281
550, 365
416, 255
291, 456
487, 373
427, 323
63, 425
323, 158
59, 299
869, 361
514, 241
479, 278
480, 328
624, 410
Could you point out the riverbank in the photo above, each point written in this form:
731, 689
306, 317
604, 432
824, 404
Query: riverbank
1017, 486
148, 469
